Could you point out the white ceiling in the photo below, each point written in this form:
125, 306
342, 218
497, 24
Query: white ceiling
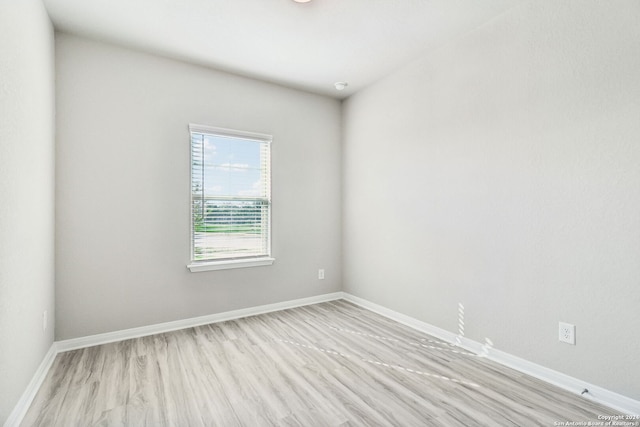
303, 45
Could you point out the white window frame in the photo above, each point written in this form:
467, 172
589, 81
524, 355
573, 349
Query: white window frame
227, 263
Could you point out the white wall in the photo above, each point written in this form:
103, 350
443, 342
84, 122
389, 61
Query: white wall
122, 182
502, 171
26, 194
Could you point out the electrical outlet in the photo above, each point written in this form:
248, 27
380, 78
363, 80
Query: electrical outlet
44, 320
321, 274
567, 333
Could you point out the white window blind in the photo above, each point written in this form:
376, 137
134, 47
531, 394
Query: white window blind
230, 194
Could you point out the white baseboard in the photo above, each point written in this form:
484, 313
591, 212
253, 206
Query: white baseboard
125, 334
618, 402
20, 410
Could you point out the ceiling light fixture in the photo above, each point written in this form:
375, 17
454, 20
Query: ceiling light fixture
302, 1
341, 85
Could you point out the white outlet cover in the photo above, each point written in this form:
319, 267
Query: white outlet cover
567, 333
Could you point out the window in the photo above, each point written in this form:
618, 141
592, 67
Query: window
230, 198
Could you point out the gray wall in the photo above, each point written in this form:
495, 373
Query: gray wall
122, 189
502, 171
26, 194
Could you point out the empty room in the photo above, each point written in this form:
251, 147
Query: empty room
319, 213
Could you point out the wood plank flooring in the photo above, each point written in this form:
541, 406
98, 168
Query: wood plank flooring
329, 364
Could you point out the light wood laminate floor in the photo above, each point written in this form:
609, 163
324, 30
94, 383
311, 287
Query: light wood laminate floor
329, 364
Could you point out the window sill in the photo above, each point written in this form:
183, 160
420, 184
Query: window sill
229, 264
